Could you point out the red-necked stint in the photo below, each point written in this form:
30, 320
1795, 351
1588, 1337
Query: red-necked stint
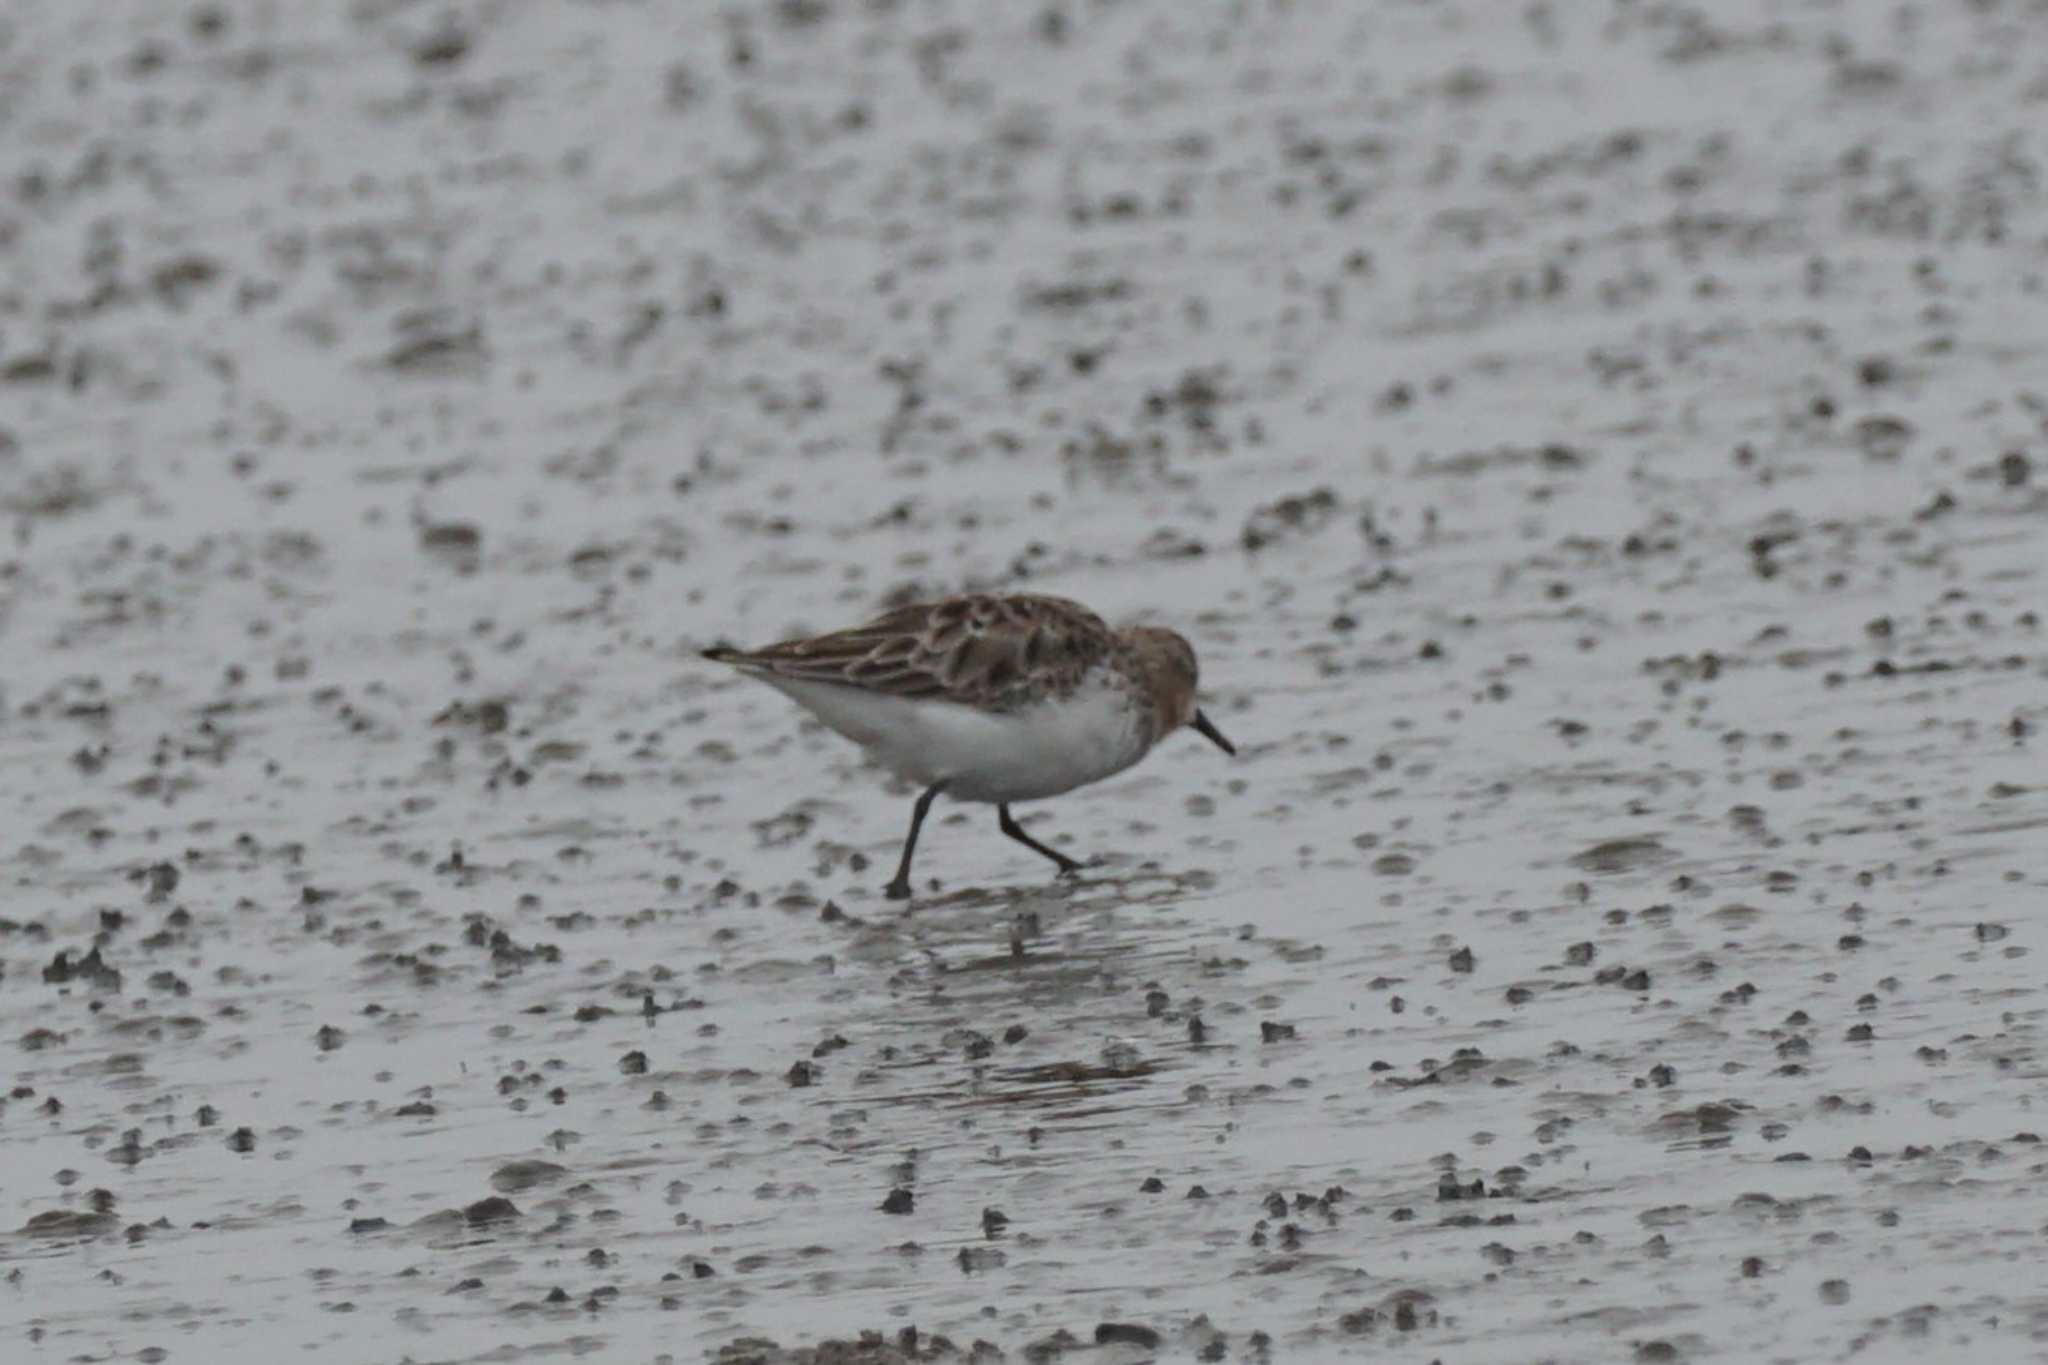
991, 698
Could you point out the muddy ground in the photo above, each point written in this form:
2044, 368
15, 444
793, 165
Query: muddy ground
1596, 448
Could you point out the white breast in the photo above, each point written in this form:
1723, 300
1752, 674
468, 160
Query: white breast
1022, 755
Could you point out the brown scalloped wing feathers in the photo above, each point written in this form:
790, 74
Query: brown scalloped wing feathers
980, 650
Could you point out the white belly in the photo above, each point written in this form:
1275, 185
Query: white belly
1023, 755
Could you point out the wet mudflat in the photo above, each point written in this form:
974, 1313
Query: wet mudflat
1597, 451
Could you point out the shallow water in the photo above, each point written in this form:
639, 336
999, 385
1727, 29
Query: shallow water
1597, 456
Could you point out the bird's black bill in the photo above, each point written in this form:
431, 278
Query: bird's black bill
1213, 735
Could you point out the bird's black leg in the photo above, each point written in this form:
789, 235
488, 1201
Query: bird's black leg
1016, 831
899, 890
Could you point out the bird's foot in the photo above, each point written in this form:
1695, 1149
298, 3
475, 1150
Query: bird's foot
898, 890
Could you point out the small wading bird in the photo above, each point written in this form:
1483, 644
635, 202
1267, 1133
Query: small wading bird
991, 698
